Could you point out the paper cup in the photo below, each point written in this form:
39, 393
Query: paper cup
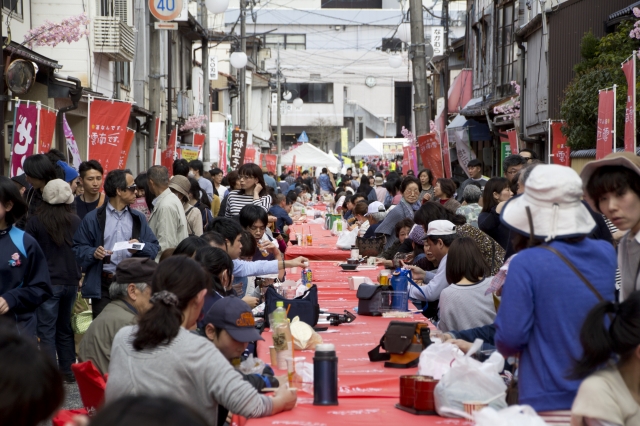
471, 406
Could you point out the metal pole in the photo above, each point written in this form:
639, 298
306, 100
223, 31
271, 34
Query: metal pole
242, 72
169, 84
2, 101
279, 109
206, 103
445, 16
420, 101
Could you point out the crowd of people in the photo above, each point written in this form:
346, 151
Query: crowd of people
525, 261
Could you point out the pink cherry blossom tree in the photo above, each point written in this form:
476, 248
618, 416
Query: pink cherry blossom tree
193, 122
51, 33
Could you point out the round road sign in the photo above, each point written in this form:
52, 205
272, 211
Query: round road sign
165, 10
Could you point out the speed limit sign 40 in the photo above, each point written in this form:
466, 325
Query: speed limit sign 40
165, 10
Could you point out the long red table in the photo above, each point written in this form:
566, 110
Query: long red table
367, 390
323, 245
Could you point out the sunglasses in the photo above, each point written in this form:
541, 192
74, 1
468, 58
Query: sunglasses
131, 188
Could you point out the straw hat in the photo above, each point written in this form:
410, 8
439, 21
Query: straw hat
626, 159
553, 197
181, 184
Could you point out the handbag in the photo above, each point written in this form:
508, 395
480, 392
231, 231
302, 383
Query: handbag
371, 246
81, 315
369, 299
305, 307
403, 343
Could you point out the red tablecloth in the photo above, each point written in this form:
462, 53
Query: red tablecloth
367, 390
329, 273
323, 245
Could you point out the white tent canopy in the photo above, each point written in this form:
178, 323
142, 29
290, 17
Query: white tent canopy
308, 155
374, 146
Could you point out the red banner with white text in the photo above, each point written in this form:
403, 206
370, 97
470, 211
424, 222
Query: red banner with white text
629, 69
604, 137
222, 162
156, 160
560, 150
513, 140
46, 127
249, 155
198, 140
272, 160
168, 155
441, 126
24, 136
126, 147
430, 153
107, 130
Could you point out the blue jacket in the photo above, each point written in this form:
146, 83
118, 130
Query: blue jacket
543, 307
24, 278
283, 217
90, 236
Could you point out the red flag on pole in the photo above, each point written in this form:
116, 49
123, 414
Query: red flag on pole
156, 161
222, 162
604, 138
168, 155
629, 69
513, 140
107, 129
430, 153
126, 146
561, 151
24, 136
46, 127
271, 160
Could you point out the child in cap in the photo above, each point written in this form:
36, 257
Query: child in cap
612, 187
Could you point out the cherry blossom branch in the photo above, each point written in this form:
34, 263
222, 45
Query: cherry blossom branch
193, 122
51, 34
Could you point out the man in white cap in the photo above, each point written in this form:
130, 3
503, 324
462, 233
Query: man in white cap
440, 235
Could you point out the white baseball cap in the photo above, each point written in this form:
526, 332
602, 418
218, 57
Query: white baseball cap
441, 227
375, 208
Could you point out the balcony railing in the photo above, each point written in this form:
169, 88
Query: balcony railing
113, 38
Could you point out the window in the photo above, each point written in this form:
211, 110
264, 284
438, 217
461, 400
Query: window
311, 93
117, 8
286, 41
505, 50
14, 6
123, 77
351, 4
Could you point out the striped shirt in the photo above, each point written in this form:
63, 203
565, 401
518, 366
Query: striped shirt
236, 201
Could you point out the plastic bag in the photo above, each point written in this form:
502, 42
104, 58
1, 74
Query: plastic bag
521, 415
471, 380
304, 336
436, 359
252, 365
347, 239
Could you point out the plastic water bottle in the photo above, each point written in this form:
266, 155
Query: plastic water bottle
325, 375
279, 314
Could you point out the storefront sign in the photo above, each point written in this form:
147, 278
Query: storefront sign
238, 148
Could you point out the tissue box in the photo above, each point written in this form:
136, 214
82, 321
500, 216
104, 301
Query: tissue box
354, 282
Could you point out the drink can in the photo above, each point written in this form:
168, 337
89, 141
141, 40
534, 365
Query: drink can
307, 277
309, 240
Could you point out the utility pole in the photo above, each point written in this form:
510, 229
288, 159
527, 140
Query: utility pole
3, 102
420, 100
169, 86
445, 17
242, 73
155, 72
279, 108
206, 103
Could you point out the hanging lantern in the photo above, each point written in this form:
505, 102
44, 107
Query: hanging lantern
404, 32
238, 59
216, 6
286, 95
297, 102
395, 61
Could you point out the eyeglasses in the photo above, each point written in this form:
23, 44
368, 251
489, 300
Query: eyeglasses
411, 191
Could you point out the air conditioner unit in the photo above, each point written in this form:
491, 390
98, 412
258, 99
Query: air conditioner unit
392, 44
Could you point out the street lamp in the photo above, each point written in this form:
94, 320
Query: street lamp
238, 59
216, 6
395, 61
297, 102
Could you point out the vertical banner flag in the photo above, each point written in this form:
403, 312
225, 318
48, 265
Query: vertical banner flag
414, 158
344, 141
249, 155
222, 162
272, 160
24, 136
155, 160
293, 167
126, 146
198, 141
46, 127
430, 153
441, 127
238, 148
107, 129
604, 138
72, 145
629, 69
168, 155
560, 150
464, 152
406, 159
512, 135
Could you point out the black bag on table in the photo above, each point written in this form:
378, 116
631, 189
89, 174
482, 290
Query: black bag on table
305, 307
370, 299
403, 342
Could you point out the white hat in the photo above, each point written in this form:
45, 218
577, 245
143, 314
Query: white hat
57, 191
441, 227
553, 195
375, 208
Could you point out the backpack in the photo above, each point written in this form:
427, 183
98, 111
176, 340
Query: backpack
207, 217
17, 237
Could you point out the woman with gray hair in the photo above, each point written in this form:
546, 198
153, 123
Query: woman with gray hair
470, 208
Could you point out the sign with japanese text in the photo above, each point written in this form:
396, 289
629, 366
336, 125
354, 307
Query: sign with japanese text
155, 161
107, 129
505, 151
629, 69
430, 153
72, 145
222, 162
238, 148
189, 153
213, 67
271, 162
126, 146
169, 154
406, 159
604, 137
437, 40
24, 136
46, 127
513, 140
198, 141
249, 155
560, 150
